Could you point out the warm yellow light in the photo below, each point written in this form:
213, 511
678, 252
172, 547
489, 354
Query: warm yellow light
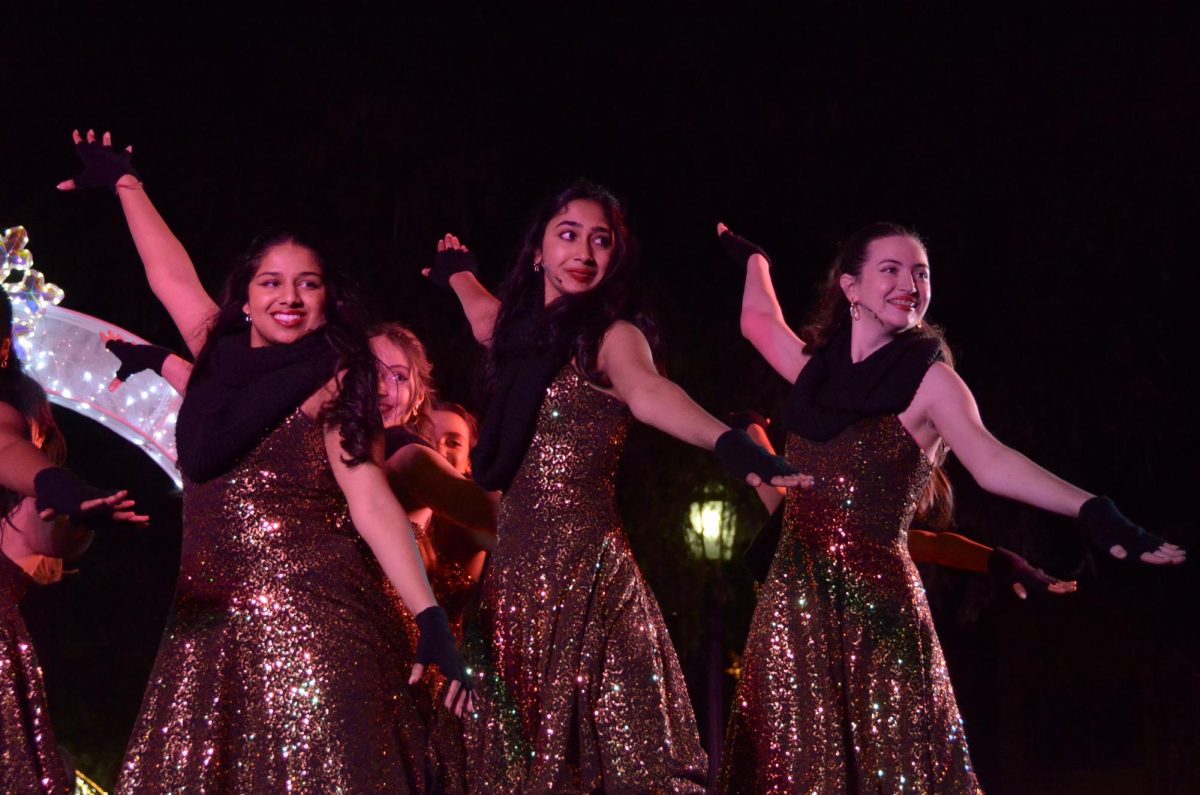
711, 534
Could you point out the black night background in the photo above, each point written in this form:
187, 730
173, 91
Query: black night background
1050, 162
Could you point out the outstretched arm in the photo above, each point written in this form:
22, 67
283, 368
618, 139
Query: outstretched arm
626, 359
948, 405
169, 269
422, 478
762, 318
454, 267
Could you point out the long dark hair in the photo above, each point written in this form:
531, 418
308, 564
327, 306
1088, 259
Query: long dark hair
575, 321
832, 314
355, 408
26, 396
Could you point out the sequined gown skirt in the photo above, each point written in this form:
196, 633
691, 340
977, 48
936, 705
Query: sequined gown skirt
580, 687
284, 665
30, 761
844, 688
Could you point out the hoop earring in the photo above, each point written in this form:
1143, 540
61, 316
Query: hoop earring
537, 267
854, 313
247, 316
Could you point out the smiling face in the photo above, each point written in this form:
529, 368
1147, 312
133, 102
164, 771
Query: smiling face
286, 298
397, 384
452, 436
576, 250
892, 290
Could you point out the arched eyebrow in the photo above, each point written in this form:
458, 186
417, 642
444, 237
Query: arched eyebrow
279, 275
901, 264
577, 225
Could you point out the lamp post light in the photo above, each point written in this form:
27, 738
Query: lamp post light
712, 527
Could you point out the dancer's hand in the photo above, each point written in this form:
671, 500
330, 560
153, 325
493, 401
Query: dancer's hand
1112, 532
61, 492
134, 357
452, 257
436, 645
1013, 570
748, 461
739, 249
102, 165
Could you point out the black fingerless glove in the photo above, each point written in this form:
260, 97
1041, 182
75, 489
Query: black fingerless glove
1009, 568
64, 492
740, 456
739, 249
102, 165
1106, 527
449, 262
136, 357
437, 646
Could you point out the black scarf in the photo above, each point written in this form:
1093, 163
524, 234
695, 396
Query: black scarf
239, 394
525, 370
832, 392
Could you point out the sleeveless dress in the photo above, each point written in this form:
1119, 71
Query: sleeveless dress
29, 757
284, 665
844, 688
579, 688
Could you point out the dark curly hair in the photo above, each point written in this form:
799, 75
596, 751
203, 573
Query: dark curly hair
355, 408
578, 321
831, 315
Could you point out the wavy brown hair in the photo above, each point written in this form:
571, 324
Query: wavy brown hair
417, 418
831, 315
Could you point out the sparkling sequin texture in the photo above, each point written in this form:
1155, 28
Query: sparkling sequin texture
453, 588
844, 687
284, 665
581, 690
29, 757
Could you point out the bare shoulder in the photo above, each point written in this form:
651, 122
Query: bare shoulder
624, 333
12, 421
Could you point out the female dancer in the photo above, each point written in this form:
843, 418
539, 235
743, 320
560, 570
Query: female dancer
34, 538
281, 667
581, 688
842, 617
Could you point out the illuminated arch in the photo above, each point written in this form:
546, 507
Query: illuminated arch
63, 352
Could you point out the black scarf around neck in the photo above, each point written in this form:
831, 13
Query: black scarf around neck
525, 371
832, 392
240, 394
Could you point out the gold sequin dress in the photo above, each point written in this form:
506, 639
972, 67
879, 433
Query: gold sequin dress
843, 687
30, 761
284, 664
579, 687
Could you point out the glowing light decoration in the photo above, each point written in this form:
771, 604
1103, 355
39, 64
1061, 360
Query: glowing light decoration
712, 526
30, 294
62, 350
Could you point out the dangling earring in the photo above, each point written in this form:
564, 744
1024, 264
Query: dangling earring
537, 267
854, 313
247, 316
4, 363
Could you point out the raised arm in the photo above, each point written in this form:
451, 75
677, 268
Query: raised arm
169, 269
454, 267
626, 359
762, 319
945, 402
